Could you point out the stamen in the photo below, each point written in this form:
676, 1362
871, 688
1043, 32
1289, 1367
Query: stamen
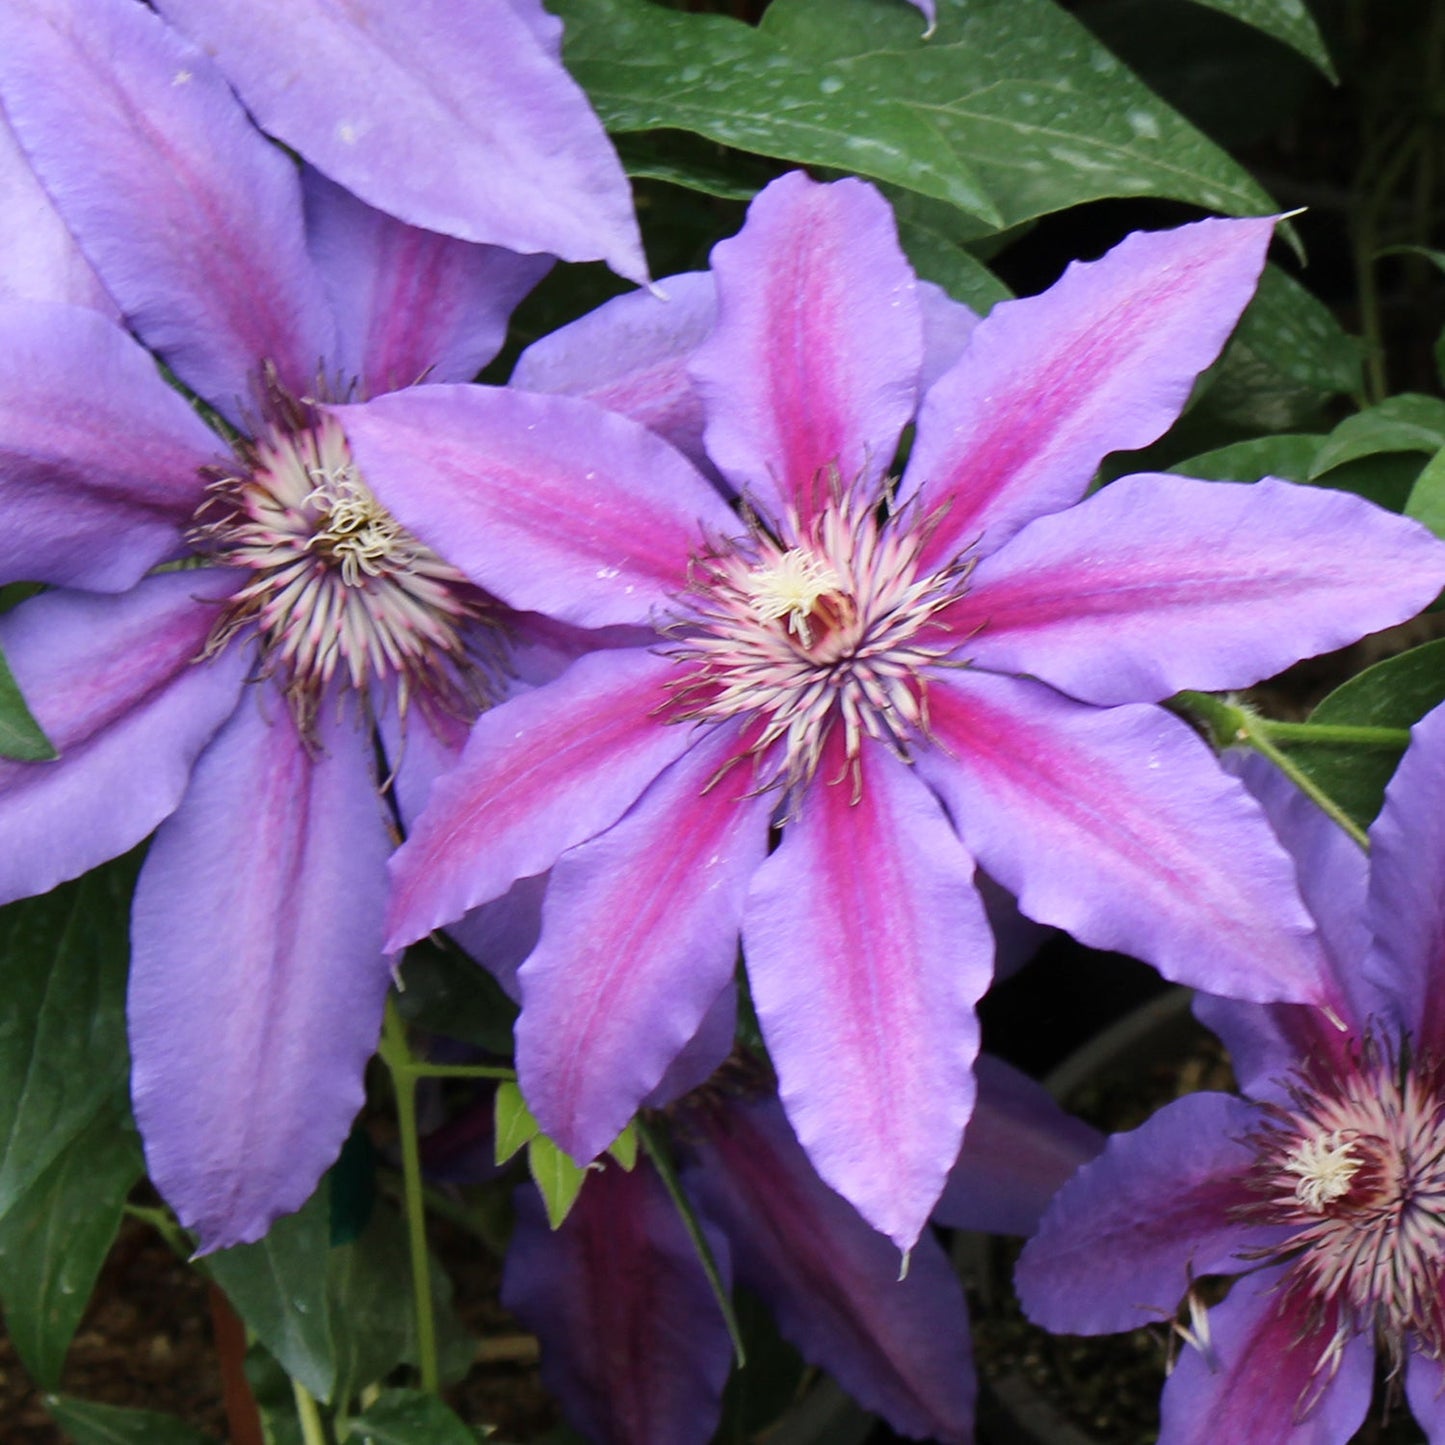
1325, 1164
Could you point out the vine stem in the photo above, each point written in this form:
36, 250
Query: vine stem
313, 1431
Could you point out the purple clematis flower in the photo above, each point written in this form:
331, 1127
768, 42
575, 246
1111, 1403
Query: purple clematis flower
231, 610
908, 678
1321, 1190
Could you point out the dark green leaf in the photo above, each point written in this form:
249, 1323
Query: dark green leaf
1286, 20
699, 165
20, 734
1427, 497
55, 1239
1405, 423
62, 1031
90, 1424
932, 235
409, 1417
445, 992
1287, 455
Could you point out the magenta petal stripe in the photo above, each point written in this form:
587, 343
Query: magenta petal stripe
1118, 825
639, 936
814, 361
861, 930
279, 853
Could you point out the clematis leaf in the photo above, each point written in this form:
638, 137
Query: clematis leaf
624, 1148
932, 235
408, 1417
55, 1239
558, 1179
1287, 455
1427, 497
89, 1423
62, 1049
1405, 423
1287, 20
20, 734
515, 1124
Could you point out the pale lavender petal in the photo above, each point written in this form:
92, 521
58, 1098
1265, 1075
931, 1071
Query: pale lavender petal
39, 260
454, 117
1117, 825
1160, 583
639, 936
899, 1347
113, 682
633, 1343
549, 502
1266, 1379
99, 458
1406, 911
1425, 1390
1123, 1238
167, 187
501, 934
703, 1054
630, 355
1019, 1147
812, 369
410, 305
1102, 361
862, 929
541, 773
257, 975
947, 325
929, 13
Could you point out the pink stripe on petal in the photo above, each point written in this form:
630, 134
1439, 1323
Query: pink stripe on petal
1160, 583
639, 937
1118, 825
540, 774
257, 977
549, 502
813, 364
1102, 361
867, 947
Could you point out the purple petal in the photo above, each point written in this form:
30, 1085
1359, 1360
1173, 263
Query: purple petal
113, 682
99, 457
1123, 1238
630, 355
633, 1343
549, 502
947, 325
864, 929
702, 1055
1018, 1149
1406, 910
1102, 361
1425, 1390
259, 907
39, 260
167, 186
812, 368
410, 305
459, 118
929, 14
1159, 583
540, 774
1117, 824
639, 937
900, 1347
1267, 1379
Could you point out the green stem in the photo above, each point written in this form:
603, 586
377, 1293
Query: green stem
1344, 734
164, 1224
313, 1431
420, 1069
662, 1162
399, 1062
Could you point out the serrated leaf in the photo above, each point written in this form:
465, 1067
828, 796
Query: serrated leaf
1011, 111
1286, 20
63, 1050
515, 1125
1406, 423
56, 1237
89, 1423
1288, 455
1427, 496
558, 1179
624, 1148
409, 1417
21, 736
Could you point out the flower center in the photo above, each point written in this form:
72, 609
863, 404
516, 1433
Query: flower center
834, 627
336, 589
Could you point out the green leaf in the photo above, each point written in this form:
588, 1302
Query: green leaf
624, 1148
1011, 111
446, 992
1427, 496
409, 1417
558, 1179
62, 1030
515, 1125
1286, 20
1287, 455
699, 165
20, 734
55, 1239
1395, 693
91, 1424
932, 235
1405, 423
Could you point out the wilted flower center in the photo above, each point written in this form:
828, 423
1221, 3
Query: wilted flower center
836, 626
337, 588
1357, 1167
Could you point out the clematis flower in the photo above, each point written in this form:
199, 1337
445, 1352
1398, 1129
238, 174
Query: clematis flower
1320, 1190
907, 678
233, 613
634, 1347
